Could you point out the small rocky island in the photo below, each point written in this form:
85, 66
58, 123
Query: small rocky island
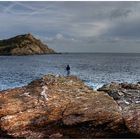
64, 107
25, 44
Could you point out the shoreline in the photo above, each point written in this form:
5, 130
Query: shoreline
94, 86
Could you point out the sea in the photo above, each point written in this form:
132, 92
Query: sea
95, 69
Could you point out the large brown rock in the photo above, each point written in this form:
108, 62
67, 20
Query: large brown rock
60, 107
23, 45
131, 115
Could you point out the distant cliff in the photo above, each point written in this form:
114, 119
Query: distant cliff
23, 45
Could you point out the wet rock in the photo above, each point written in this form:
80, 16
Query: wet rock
61, 107
113, 90
123, 93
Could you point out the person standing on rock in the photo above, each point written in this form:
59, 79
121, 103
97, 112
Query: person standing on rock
68, 70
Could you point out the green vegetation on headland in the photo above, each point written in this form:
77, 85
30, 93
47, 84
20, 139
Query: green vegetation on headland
23, 45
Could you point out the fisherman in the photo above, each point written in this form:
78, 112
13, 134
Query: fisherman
68, 70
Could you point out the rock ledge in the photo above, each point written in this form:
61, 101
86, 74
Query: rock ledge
62, 107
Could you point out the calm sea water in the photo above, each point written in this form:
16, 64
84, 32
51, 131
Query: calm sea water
94, 69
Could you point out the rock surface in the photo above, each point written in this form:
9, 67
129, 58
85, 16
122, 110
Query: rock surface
127, 96
63, 107
23, 45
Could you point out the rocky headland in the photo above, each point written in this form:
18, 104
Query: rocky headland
64, 107
25, 44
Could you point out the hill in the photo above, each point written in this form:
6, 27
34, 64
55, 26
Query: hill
25, 44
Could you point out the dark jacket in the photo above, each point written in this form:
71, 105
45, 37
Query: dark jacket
68, 67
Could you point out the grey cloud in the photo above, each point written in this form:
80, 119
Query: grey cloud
126, 29
118, 13
75, 26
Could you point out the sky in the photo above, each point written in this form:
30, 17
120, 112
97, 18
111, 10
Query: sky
70, 26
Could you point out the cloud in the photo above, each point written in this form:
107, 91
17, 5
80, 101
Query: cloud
75, 26
119, 13
59, 37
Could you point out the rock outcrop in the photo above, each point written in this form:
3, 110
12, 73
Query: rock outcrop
124, 94
23, 45
63, 107
127, 96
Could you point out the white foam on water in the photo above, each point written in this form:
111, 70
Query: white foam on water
95, 86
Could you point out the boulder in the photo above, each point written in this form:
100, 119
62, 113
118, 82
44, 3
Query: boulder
124, 93
131, 115
61, 107
127, 96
